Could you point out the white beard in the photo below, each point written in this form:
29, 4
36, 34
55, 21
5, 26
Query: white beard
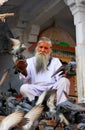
42, 60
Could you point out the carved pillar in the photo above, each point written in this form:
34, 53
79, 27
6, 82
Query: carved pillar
77, 8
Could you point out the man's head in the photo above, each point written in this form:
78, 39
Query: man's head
43, 52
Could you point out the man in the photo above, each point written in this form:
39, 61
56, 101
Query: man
39, 70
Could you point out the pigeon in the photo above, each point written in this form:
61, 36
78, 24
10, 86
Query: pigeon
32, 116
17, 52
4, 76
51, 99
81, 126
17, 47
11, 120
67, 70
47, 99
69, 106
20, 124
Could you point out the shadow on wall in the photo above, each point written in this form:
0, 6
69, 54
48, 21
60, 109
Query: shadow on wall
13, 79
5, 33
6, 59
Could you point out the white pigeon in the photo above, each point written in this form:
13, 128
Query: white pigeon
11, 120
17, 47
32, 116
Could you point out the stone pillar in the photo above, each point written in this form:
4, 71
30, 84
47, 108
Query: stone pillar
77, 8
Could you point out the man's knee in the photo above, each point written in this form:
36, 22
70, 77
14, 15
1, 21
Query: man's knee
64, 84
65, 80
23, 88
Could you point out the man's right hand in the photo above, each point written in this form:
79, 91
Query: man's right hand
21, 66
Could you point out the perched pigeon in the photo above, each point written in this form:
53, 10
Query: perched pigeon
81, 126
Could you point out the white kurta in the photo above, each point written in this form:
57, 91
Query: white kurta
34, 84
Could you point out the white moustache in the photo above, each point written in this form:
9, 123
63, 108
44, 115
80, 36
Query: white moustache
40, 53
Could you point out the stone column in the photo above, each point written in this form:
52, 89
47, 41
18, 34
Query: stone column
77, 8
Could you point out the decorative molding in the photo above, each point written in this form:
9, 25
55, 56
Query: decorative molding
77, 7
74, 2
56, 47
69, 2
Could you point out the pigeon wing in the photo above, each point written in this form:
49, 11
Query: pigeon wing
59, 70
51, 96
11, 120
33, 115
41, 98
15, 42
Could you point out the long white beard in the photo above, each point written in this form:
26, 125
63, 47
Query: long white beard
42, 60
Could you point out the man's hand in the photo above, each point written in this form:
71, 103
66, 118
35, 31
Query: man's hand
21, 66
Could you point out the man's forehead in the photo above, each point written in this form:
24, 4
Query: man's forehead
44, 44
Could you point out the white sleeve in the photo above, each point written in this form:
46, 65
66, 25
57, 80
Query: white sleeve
23, 78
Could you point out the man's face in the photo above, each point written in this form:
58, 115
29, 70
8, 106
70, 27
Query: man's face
43, 52
44, 47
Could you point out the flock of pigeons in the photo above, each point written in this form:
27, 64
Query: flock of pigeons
18, 114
